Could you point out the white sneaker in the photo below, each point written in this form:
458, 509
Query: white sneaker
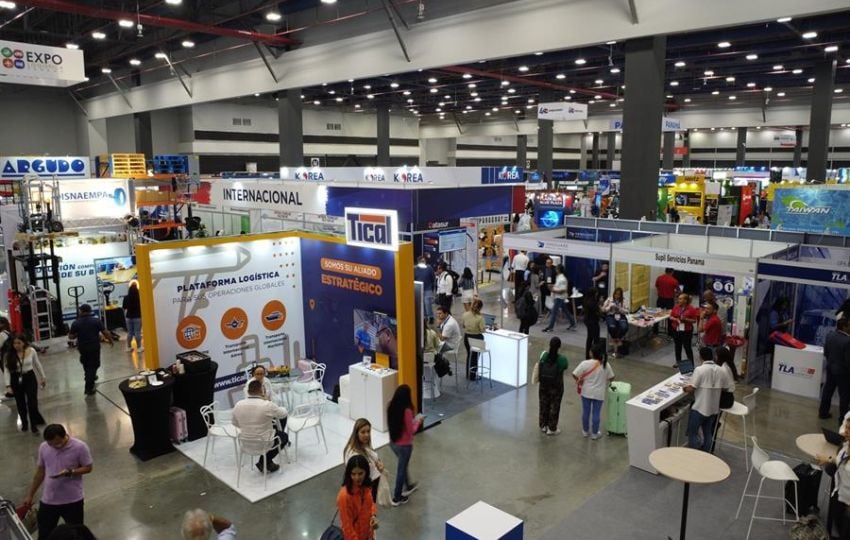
596, 436
140, 350
584, 433
544, 429
550, 432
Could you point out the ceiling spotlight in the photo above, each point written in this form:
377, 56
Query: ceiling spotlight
477, 100
780, 94
187, 44
441, 104
812, 79
778, 67
406, 92
615, 70
752, 57
7, 5
538, 53
351, 80
716, 93
612, 42
486, 114
531, 100
680, 63
523, 69
669, 96
317, 102
467, 76
612, 105
506, 83
370, 96
410, 101
730, 79
597, 97
724, 45
105, 71
517, 112
432, 80
126, 23
708, 73
598, 81
797, 71
471, 85
331, 92
438, 109
356, 105
810, 35
495, 109
447, 96
568, 97
732, 98
339, 100
768, 89
674, 83
329, 1
393, 85
687, 100
838, 90
161, 56
581, 62
367, 86
98, 35
847, 61
830, 49
783, 19
560, 76
473, 94
511, 90
72, 46
751, 85
257, 95
135, 62
273, 16
434, 90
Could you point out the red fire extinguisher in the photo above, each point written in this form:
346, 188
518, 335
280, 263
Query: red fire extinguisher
15, 321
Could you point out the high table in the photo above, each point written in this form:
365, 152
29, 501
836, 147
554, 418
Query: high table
643, 324
574, 298
814, 445
689, 466
798, 371
191, 392
148, 407
508, 356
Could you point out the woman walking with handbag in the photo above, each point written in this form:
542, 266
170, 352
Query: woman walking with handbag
357, 513
402, 426
25, 376
551, 376
360, 443
592, 377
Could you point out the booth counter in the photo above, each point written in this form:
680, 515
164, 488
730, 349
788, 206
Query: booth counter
799, 371
508, 356
370, 393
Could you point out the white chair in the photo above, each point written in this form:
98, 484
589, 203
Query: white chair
769, 469
219, 424
257, 446
743, 410
479, 369
451, 356
430, 385
309, 381
305, 416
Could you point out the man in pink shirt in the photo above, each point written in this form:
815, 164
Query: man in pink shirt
62, 462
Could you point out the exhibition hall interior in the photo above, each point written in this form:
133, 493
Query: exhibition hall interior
421, 269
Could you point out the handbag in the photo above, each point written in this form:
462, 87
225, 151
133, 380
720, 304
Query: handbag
535, 373
727, 399
385, 498
333, 532
550, 302
584, 375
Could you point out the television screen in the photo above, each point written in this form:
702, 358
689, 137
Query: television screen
374, 331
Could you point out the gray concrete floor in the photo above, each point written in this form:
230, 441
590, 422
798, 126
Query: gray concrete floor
492, 452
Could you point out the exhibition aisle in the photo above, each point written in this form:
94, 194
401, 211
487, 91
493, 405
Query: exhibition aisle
311, 460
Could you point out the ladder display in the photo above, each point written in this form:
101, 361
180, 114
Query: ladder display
41, 310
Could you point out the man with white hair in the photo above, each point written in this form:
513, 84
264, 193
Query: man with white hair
198, 525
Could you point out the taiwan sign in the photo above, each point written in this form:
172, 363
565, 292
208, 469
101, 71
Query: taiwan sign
812, 209
22, 63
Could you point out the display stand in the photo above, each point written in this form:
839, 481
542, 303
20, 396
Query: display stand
371, 391
509, 356
149, 413
799, 371
482, 521
191, 392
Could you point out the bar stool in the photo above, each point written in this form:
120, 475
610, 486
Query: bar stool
742, 410
768, 469
479, 347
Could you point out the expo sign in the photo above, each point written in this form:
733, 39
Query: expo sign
371, 228
67, 167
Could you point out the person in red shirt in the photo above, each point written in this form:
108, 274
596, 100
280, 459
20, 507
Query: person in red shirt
357, 512
710, 326
666, 285
683, 317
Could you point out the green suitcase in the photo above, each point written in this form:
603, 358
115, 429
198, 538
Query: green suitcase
618, 394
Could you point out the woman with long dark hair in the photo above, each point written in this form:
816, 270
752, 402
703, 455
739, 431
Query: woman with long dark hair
468, 288
592, 377
592, 314
357, 511
402, 426
360, 443
133, 315
616, 317
25, 375
683, 318
5, 335
551, 375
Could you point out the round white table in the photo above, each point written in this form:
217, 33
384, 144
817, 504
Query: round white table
689, 466
814, 445
575, 297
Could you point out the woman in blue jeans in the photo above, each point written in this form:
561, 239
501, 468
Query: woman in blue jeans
593, 376
616, 317
402, 426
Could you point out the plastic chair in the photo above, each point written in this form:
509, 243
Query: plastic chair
309, 381
430, 386
742, 410
768, 469
305, 416
257, 445
479, 370
451, 356
218, 425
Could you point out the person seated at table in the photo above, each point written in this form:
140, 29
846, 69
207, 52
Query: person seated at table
449, 334
706, 383
255, 417
616, 317
258, 373
838, 467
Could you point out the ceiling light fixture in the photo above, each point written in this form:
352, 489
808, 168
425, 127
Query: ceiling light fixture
560, 76
161, 56
612, 105
780, 94
477, 100
783, 19
797, 71
72, 46
135, 62
473, 94
98, 35
187, 44
687, 100
174, 2
572, 91
724, 45
471, 85
511, 90
7, 5
356, 105
393, 85
768, 89
125, 23
830, 49
581, 62
410, 101
467, 76
506, 83
487, 113
339, 100
257, 95
752, 57
523, 69
105, 71
838, 90
778, 67
732, 98
538, 53
810, 35
598, 81
597, 97
669, 96
434, 90
730, 79
674, 83
329, 1
810, 80
432, 80
406, 92
447, 96
716, 93
708, 73
370, 96
751, 85
615, 70
680, 63
331, 92
441, 104
367, 86
317, 102
568, 97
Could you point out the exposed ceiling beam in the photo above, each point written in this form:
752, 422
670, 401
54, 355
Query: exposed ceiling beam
633, 11
526, 81
166, 22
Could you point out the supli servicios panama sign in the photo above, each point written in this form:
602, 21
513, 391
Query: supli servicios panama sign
371, 228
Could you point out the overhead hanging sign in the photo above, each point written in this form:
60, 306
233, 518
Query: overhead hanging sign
23, 63
667, 124
371, 228
62, 167
812, 209
502, 175
94, 199
562, 111
267, 195
785, 139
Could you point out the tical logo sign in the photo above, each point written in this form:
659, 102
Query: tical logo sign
372, 228
70, 167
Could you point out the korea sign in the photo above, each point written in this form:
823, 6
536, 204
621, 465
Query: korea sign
371, 228
61, 167
562, 111
22, 63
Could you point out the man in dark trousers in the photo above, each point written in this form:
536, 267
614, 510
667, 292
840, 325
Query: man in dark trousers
836, 349
87, 330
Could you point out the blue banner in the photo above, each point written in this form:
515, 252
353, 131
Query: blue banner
812, 209
778, 272
502, 175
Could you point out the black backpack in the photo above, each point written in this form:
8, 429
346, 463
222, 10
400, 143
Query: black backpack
550, 371
521, 308
455, 282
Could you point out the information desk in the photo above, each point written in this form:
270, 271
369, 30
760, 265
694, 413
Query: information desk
148, 407
191, 392
371, 391
798, 371
508, 356
643, 418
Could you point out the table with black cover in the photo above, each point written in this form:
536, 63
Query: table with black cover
149, 414
191, 392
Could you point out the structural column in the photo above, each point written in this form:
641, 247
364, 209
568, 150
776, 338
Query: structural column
611, 150
521, 150
668, 143
144, 134
820, 119
545, 143
383, 116
798, 148
290, 128
741, 147
594, 157
642, 126
686, 142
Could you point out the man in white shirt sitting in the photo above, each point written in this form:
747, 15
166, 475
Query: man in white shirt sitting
706, 383
449, 334
256, 416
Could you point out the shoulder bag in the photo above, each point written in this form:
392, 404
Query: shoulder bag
585, 375
333, 532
